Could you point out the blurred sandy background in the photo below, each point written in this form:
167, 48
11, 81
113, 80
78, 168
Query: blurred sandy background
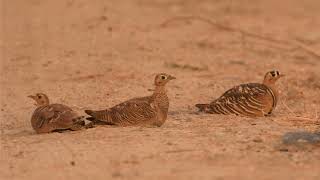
95, 54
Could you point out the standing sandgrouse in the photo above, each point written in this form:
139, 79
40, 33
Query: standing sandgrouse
251, 100
53, 117
144, 111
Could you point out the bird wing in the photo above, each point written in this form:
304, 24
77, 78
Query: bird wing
64, 115
133, 111
245, 98
56, 114
247, 90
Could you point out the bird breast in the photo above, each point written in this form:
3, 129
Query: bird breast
162, 101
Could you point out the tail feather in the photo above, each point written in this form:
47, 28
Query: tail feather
80, 123
97, 117
96, 114
202, 107
91, 118
79, 120
89, 112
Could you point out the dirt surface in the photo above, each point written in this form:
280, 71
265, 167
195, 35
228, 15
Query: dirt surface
95, 54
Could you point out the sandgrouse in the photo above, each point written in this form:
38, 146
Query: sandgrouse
144, 111
53, 117
250, 100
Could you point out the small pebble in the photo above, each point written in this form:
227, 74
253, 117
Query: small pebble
284, 150
257, 140
72, 163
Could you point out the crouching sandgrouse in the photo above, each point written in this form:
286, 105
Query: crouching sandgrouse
53, 117
144, 111
251, 100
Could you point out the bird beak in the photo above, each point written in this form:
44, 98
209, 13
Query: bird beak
282, 75
171, 77
34, 98
31, 96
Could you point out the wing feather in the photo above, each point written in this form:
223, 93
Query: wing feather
133, 111
246, 99
54, 115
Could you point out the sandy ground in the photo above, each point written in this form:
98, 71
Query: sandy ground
95, 54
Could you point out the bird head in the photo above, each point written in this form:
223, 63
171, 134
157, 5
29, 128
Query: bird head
162, 79
40, 98
271, 77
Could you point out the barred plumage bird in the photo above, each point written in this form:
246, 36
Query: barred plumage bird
251, 100
144, 111
51, 117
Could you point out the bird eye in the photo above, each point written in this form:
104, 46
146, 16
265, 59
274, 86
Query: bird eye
39, 96
273, 74
278, 73
163, 77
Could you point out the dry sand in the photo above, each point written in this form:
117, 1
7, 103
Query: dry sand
95, 54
